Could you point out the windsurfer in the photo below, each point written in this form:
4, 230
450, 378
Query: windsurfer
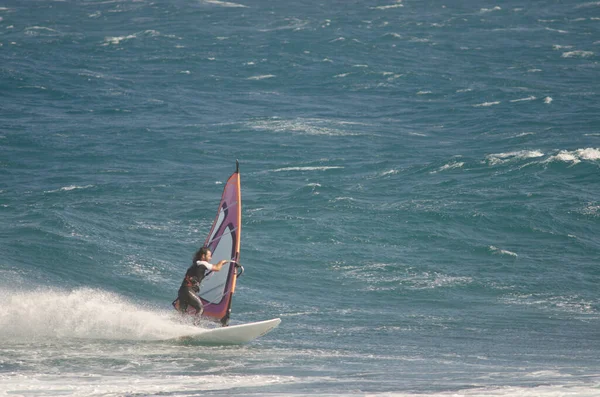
194, 275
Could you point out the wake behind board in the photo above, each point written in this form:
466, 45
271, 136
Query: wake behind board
233, 334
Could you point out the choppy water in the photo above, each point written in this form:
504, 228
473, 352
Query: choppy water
420, 185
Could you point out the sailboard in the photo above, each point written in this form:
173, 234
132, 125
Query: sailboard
217, 288
233, 334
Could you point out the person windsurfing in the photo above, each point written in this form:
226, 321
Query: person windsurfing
194, 275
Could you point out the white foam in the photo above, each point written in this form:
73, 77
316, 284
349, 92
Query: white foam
529, 98
83, 313
589, 153
487, 104
389, 172
224, 4
576, 156
496, 250
419, 40
514, 391
394, 35
486, 10
40, 28
567, 303
435, 280
375, 279
398, 4
115, 40
547, 100
261, 77
69, 188
522, 134
566, 157
557, 30
449, 166
302, 126
499, 158
577, 54
591, 210
346, 199
324, 168
89, 384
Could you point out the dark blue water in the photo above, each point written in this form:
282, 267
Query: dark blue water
420, 186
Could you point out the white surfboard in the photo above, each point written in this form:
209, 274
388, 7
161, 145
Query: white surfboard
233, 334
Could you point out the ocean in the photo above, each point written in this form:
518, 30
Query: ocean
420, 195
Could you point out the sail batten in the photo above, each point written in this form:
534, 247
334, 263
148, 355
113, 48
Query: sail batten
221, 236
229, 206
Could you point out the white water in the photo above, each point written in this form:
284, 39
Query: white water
84, 313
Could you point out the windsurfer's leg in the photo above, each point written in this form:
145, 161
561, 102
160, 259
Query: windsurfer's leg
183, 305
183, 300
195, 302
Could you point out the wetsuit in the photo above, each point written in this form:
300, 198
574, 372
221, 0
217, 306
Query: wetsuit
191, 285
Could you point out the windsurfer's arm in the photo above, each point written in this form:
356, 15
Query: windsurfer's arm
218, 266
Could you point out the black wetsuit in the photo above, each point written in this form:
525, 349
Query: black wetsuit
190, 286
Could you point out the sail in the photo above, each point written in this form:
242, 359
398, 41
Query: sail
217, 288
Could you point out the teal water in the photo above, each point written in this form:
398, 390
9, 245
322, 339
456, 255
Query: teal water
420, 186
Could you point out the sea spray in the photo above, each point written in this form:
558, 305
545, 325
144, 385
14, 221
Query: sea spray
84, 313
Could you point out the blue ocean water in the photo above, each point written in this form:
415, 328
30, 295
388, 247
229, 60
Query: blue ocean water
420, 184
